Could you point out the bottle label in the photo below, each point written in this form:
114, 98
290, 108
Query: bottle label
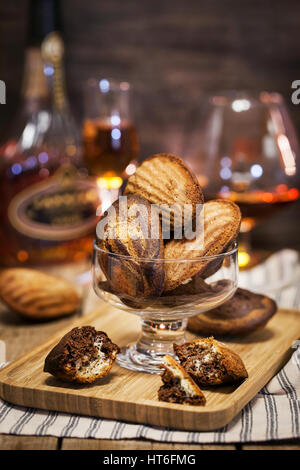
61, 208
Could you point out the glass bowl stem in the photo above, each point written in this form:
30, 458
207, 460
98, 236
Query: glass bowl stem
155, 341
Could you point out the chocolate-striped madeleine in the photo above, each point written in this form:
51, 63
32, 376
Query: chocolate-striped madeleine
210, 362
165, 179
245, 312
222, 220
178, 386
131, 265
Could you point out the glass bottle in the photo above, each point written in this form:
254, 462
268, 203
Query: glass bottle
48, 209
110, 139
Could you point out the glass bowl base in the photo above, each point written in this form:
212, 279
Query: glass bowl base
132, 359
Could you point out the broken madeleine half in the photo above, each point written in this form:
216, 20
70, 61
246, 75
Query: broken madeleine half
210, 362
82, 355
178, 386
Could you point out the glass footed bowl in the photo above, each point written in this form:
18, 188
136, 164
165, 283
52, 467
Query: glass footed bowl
163, 315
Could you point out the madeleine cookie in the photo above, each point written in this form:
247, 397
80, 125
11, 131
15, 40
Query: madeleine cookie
37, 295
222, 221
242, 314
135, 272
178, 386
166, 180
210, 362
82, 355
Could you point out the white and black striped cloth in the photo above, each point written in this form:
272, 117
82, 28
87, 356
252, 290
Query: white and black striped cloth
273, 414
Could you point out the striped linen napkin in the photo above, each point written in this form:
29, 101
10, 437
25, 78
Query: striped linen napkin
274, 413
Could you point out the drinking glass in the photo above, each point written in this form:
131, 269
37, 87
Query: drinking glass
110, 141
248, 152
164, 318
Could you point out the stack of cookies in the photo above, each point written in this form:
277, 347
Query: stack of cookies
205, 363
143, 262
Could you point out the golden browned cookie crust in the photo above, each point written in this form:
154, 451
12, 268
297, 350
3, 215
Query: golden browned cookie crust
222, 221
210, 362
178, 386
37, 295
82, 355
166, 179
242, 314
136, 274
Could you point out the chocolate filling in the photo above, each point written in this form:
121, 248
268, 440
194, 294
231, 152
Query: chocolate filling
77, 350
172, 392
202, 363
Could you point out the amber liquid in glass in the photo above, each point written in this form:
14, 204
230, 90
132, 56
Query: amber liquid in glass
108, 149
259, 205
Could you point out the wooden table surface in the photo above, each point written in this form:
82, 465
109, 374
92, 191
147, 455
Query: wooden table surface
20, 336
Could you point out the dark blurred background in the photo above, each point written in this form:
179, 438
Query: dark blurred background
174, 53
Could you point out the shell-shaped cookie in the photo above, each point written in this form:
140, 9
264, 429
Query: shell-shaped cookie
221, 225
245, 312
131, 258
37, 295
165, 180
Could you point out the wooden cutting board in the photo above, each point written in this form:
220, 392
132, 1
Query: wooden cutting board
132, 396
